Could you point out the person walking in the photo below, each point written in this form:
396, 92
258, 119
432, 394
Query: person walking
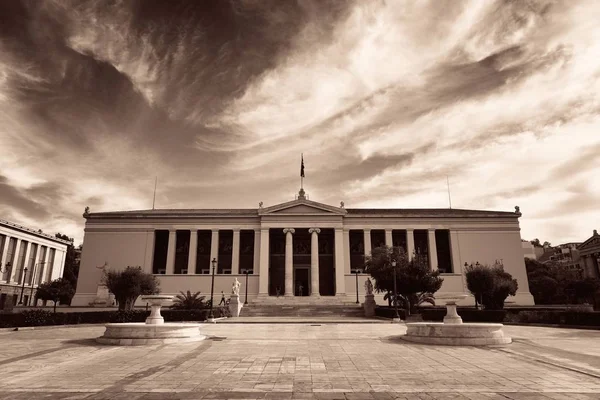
223, 301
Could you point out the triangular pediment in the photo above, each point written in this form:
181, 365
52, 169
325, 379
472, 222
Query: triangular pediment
592, 244
302, 207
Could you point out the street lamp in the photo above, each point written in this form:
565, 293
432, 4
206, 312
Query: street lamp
246, 297
23, 287
212, 287
356, 275
395, 290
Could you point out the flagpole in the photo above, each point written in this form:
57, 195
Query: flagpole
154, 198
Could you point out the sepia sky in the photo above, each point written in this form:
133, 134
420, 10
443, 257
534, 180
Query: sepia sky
219, 98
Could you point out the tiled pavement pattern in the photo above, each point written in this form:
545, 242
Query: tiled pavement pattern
299, 361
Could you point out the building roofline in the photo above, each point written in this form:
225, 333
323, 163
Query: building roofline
351, 212
33, 232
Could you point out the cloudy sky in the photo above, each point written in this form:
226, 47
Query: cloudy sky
218, 98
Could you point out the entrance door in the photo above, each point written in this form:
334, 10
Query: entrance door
302, 281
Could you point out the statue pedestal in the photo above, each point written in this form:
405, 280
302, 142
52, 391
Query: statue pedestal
235, 305
452, 316
369, 305
102, 297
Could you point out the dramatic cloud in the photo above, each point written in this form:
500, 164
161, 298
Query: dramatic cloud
388, 101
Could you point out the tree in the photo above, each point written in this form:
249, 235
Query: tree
490, 285
127, 285
415, 281
480, 280
71, 271
504, 285
55, 291
188, 301
536, 242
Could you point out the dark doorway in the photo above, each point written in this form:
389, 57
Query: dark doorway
276, 262
326, 262
161, 245
302, 281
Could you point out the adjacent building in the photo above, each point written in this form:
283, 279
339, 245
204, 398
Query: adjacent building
298, 248
27, 258
589, 255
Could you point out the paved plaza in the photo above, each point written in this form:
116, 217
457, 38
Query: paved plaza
299, 361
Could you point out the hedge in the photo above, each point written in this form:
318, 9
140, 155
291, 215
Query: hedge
547, 316
38, 317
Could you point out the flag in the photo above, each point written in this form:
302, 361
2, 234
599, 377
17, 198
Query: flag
302, 167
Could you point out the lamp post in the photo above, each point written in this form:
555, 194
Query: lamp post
246, 296
395, 290
23, 287
356, 275
212, 287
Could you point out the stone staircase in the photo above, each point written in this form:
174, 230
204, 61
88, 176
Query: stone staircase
302, 307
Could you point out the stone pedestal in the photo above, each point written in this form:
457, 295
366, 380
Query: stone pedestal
235, 305
452, 316
369, 305
102, 297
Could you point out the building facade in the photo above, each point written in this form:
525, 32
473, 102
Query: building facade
589, 256
298, 248
27, 258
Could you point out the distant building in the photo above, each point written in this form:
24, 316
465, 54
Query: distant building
589, 253
528, 250
565, 255
27, 258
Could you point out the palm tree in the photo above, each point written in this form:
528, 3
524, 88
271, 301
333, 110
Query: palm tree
188, 301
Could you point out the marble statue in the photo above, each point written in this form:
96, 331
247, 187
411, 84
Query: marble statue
369, 286
235, 288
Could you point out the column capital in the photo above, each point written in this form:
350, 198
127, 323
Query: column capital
213, 230
236, 230
289, 230
366, 229
431, 229
314, 230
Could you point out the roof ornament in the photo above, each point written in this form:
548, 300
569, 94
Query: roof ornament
301, 194
260, 205
86, 212
517, 210
341, 204
595, 232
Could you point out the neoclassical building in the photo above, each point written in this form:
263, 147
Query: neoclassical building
293, 249
589, 256
27, 258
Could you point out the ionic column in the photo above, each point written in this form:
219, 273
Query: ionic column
410, 243
346, 255
214, 248
3, 256
314, 261
432, 247
193, 252
263, 279
171, 252
389, 241
46, 264
149, 251
256, 263
455, 253
289, 261
367, 241
26, 263
342, 257
235, 253
15, 263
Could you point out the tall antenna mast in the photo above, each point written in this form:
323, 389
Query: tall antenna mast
154, 198
449, 198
